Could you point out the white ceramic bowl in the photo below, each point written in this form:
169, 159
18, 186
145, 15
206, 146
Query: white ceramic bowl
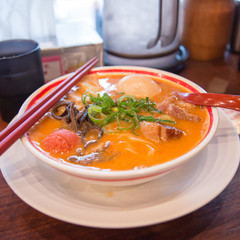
127, 177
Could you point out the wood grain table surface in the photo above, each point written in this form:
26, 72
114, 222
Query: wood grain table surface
217, 220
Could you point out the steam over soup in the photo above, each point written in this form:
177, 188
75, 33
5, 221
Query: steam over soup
120, 122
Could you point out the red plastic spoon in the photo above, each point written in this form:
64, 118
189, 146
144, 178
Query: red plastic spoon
212, 100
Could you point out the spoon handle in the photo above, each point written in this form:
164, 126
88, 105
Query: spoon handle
212, 100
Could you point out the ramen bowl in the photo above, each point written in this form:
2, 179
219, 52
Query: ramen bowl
126, 177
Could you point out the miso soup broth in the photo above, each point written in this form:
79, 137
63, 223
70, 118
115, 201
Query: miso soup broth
120, 121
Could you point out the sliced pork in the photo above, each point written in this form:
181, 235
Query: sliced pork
177, 108
158, 132
176, 111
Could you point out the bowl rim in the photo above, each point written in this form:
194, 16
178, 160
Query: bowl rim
111, 175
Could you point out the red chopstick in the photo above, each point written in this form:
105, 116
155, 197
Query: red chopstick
28, 113
16, 129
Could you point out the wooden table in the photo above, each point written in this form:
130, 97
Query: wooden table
219, 219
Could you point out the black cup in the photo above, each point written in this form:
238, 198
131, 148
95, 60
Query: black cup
21, 73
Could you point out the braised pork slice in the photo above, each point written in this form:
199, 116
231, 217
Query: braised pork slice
178, 110
158, 132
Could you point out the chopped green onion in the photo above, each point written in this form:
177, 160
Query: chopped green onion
103, 110
96, 108
127, 97
84, 96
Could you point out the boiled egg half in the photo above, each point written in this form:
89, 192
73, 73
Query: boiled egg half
138, 86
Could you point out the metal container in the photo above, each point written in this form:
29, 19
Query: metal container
143, 33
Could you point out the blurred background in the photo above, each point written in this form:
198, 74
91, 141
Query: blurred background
157, 33
67, 30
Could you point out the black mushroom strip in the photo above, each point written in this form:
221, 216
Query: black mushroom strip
75, 120
99, 154
86, 159
66, 111
90, 129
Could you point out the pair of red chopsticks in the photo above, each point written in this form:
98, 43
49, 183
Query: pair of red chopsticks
17, 128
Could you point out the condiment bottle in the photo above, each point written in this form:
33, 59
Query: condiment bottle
207, 27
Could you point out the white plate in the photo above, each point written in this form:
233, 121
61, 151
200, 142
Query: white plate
174, 195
